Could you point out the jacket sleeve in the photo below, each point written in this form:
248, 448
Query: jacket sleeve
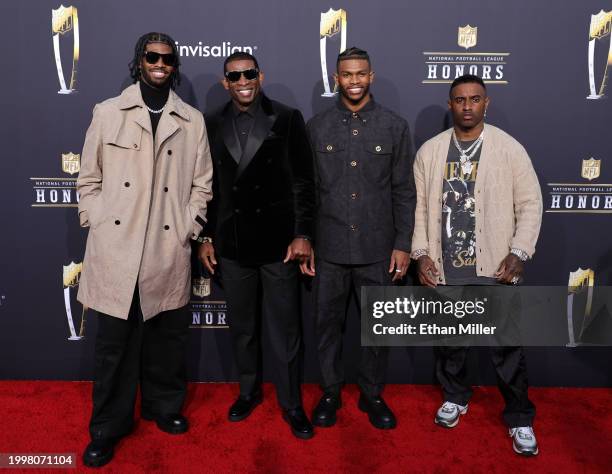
302, 170
89, 182
211, 212
419, 239
527, 202
201, 184
403, 192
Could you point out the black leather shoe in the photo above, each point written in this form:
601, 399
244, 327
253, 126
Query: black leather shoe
173, 424
300, 425
99, 452
379, 413
324, 414
244, 406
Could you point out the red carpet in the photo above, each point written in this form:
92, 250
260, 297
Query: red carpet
573, 426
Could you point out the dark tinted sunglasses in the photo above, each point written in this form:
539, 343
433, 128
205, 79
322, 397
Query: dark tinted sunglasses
249, 74
152, 58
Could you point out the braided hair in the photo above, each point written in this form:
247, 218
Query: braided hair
139, 51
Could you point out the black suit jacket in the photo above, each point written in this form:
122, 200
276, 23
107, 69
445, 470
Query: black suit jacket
263, 199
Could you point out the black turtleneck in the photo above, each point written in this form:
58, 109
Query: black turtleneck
154, 99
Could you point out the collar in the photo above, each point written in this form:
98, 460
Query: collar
132, 97
364, 112
251, 110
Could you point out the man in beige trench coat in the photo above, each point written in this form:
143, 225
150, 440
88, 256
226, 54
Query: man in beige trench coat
144, 183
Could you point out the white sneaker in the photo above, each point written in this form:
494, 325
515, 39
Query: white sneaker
524, 440
448, 414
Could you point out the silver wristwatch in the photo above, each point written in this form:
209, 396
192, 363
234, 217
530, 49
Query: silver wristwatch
521, 254
418, 253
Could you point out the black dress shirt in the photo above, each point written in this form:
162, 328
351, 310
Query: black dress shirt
364, 182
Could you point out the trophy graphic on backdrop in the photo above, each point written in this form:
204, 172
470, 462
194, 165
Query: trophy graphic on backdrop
581, 283
63, 20
598, 30
332, 23
72, 275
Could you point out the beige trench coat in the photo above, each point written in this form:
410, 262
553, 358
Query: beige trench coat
142, 200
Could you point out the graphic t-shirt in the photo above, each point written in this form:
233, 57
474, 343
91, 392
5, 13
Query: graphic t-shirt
459, 219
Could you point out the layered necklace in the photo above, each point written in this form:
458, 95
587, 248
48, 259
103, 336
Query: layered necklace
465, 156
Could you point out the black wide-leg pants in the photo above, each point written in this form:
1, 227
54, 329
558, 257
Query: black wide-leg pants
129, 352
332, 287
511, 371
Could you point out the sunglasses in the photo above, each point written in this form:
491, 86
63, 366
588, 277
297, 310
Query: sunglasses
152, 58
249, 75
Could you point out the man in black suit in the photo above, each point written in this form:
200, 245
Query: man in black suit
259, 225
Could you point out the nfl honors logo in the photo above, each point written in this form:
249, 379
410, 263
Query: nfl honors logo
591, 169
443, 67
71, 163
467, 36
592, 198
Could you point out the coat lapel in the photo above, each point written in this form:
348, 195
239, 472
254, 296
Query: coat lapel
131, 98
168, 125
229, 134
264, 120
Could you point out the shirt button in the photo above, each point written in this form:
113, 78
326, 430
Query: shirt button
353, 163
378, 148
126, 184
354, 196
165, 189
355, 132
135, 145
169, 152
355, 115
330, 148
166, 227
353, 227
117, 222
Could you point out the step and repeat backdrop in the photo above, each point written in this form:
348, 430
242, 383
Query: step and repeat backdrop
546, 65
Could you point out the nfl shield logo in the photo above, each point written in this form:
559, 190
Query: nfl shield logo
72, 274
201, 287
71, 163
467, 36
62, 19
590, 168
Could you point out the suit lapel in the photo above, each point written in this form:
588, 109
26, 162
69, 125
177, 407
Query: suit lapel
230, 138
264, 120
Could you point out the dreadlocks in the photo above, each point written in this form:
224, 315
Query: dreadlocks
139, 51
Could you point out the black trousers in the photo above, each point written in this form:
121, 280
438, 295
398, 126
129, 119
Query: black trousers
511, 371
508, 360
129, 352
332, 287
276, 285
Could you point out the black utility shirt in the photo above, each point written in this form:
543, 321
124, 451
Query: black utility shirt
365, 187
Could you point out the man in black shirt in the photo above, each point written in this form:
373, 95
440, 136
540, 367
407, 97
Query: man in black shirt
260, 225
365, 216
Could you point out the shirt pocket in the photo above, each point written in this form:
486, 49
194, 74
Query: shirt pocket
330, 163
378, 164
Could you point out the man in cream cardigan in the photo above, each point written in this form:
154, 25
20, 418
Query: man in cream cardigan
478, 216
